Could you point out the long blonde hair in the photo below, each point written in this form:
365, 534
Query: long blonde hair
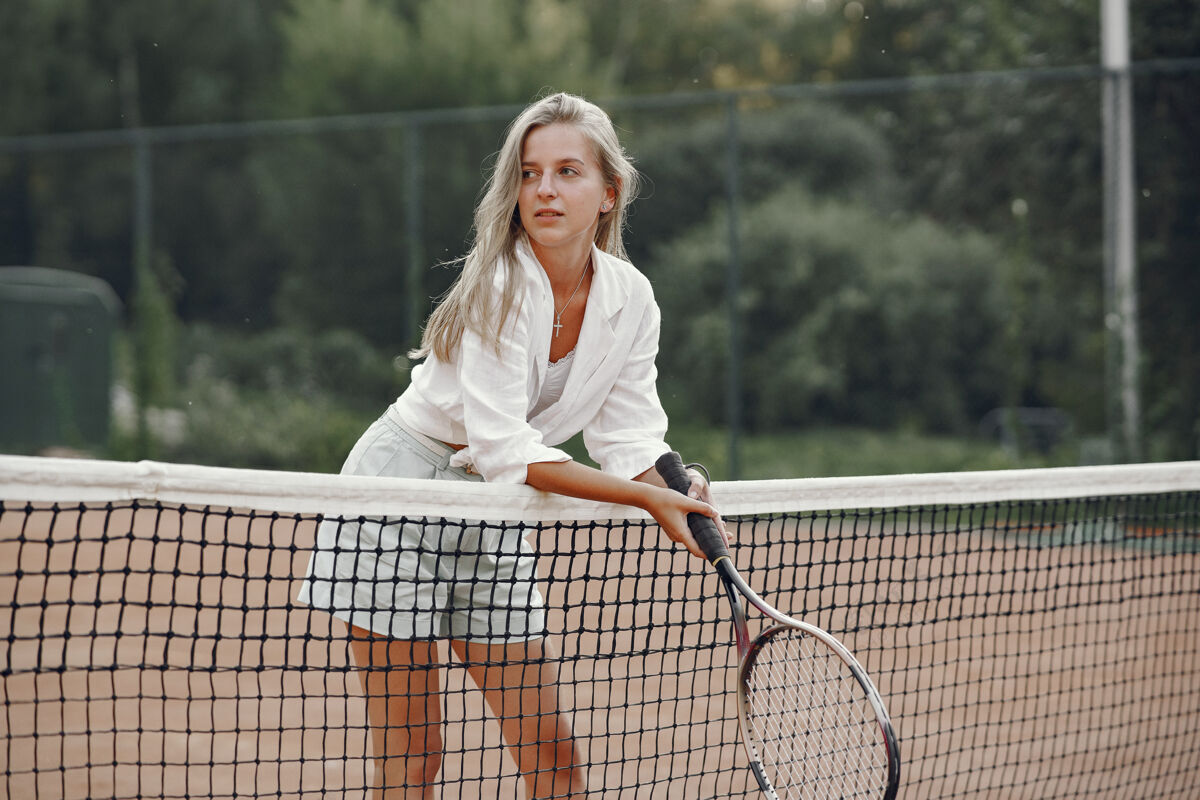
470, 303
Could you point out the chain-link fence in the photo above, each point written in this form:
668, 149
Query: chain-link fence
913, 253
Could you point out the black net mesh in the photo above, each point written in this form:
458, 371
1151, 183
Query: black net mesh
1025, 649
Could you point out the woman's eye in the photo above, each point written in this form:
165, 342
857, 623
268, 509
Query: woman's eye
569, 171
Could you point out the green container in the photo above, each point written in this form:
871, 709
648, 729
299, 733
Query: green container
56, 343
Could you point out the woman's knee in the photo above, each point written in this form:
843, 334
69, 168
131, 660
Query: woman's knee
556, 770
551, 755
417, 741
411, 769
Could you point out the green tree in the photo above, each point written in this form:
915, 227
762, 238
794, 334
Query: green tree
357, 56
84, 66
832, 152
337, 205
1168, 172
314, 230
850, 316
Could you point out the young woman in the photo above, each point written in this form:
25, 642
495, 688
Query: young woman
547, 332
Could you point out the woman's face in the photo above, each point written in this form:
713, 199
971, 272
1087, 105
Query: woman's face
562, 189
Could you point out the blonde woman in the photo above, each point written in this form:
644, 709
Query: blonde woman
548, 331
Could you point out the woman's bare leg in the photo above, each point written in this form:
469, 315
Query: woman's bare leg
520, 683
404, 711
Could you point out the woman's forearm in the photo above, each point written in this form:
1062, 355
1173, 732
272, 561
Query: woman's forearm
647, 491
577, 480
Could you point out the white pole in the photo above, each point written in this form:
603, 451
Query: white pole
1114, 34
1120, 258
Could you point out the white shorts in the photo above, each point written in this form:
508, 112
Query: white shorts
417, 580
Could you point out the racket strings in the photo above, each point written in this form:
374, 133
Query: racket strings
810, 722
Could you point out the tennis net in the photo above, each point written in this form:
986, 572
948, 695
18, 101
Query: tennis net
1035, 633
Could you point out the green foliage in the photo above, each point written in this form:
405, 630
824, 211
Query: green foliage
1163, 29
686, 162
371, 55
849, 316
193, 61
314, 231
1168, 172
275, 430
336, 363
354, 185
1052, 215
721, 44
834, 451
283, 399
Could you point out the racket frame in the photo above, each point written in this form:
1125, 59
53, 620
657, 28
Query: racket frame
712, 543
748, 651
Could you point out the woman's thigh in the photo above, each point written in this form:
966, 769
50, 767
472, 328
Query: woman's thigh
400, 680
520, 683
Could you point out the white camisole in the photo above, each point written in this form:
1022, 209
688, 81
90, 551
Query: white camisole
556, 379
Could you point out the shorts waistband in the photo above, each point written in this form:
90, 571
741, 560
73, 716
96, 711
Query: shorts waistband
435, 446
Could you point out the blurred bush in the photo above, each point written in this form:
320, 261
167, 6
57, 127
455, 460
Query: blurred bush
850, 316
282, 399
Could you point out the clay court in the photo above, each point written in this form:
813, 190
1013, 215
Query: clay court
159, 653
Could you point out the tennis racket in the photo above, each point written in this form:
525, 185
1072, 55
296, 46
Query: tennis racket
813, 724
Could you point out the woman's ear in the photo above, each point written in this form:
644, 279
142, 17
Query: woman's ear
610, 199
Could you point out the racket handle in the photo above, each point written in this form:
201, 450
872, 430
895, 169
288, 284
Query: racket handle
708, 537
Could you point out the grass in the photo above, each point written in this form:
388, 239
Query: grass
830, 452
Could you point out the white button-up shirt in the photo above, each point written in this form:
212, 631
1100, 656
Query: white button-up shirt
484, 398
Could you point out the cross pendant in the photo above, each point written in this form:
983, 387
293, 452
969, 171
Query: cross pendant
557, 326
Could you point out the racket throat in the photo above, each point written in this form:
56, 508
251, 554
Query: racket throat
740, 633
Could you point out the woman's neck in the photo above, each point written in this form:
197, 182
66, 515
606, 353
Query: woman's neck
562, 265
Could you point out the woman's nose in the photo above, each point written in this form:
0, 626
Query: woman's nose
546, 187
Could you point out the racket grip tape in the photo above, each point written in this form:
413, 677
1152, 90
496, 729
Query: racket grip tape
708, 536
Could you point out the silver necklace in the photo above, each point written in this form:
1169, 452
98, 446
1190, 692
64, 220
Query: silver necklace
557, 313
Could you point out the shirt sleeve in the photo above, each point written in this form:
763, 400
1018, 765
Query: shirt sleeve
495, 393
628, 433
